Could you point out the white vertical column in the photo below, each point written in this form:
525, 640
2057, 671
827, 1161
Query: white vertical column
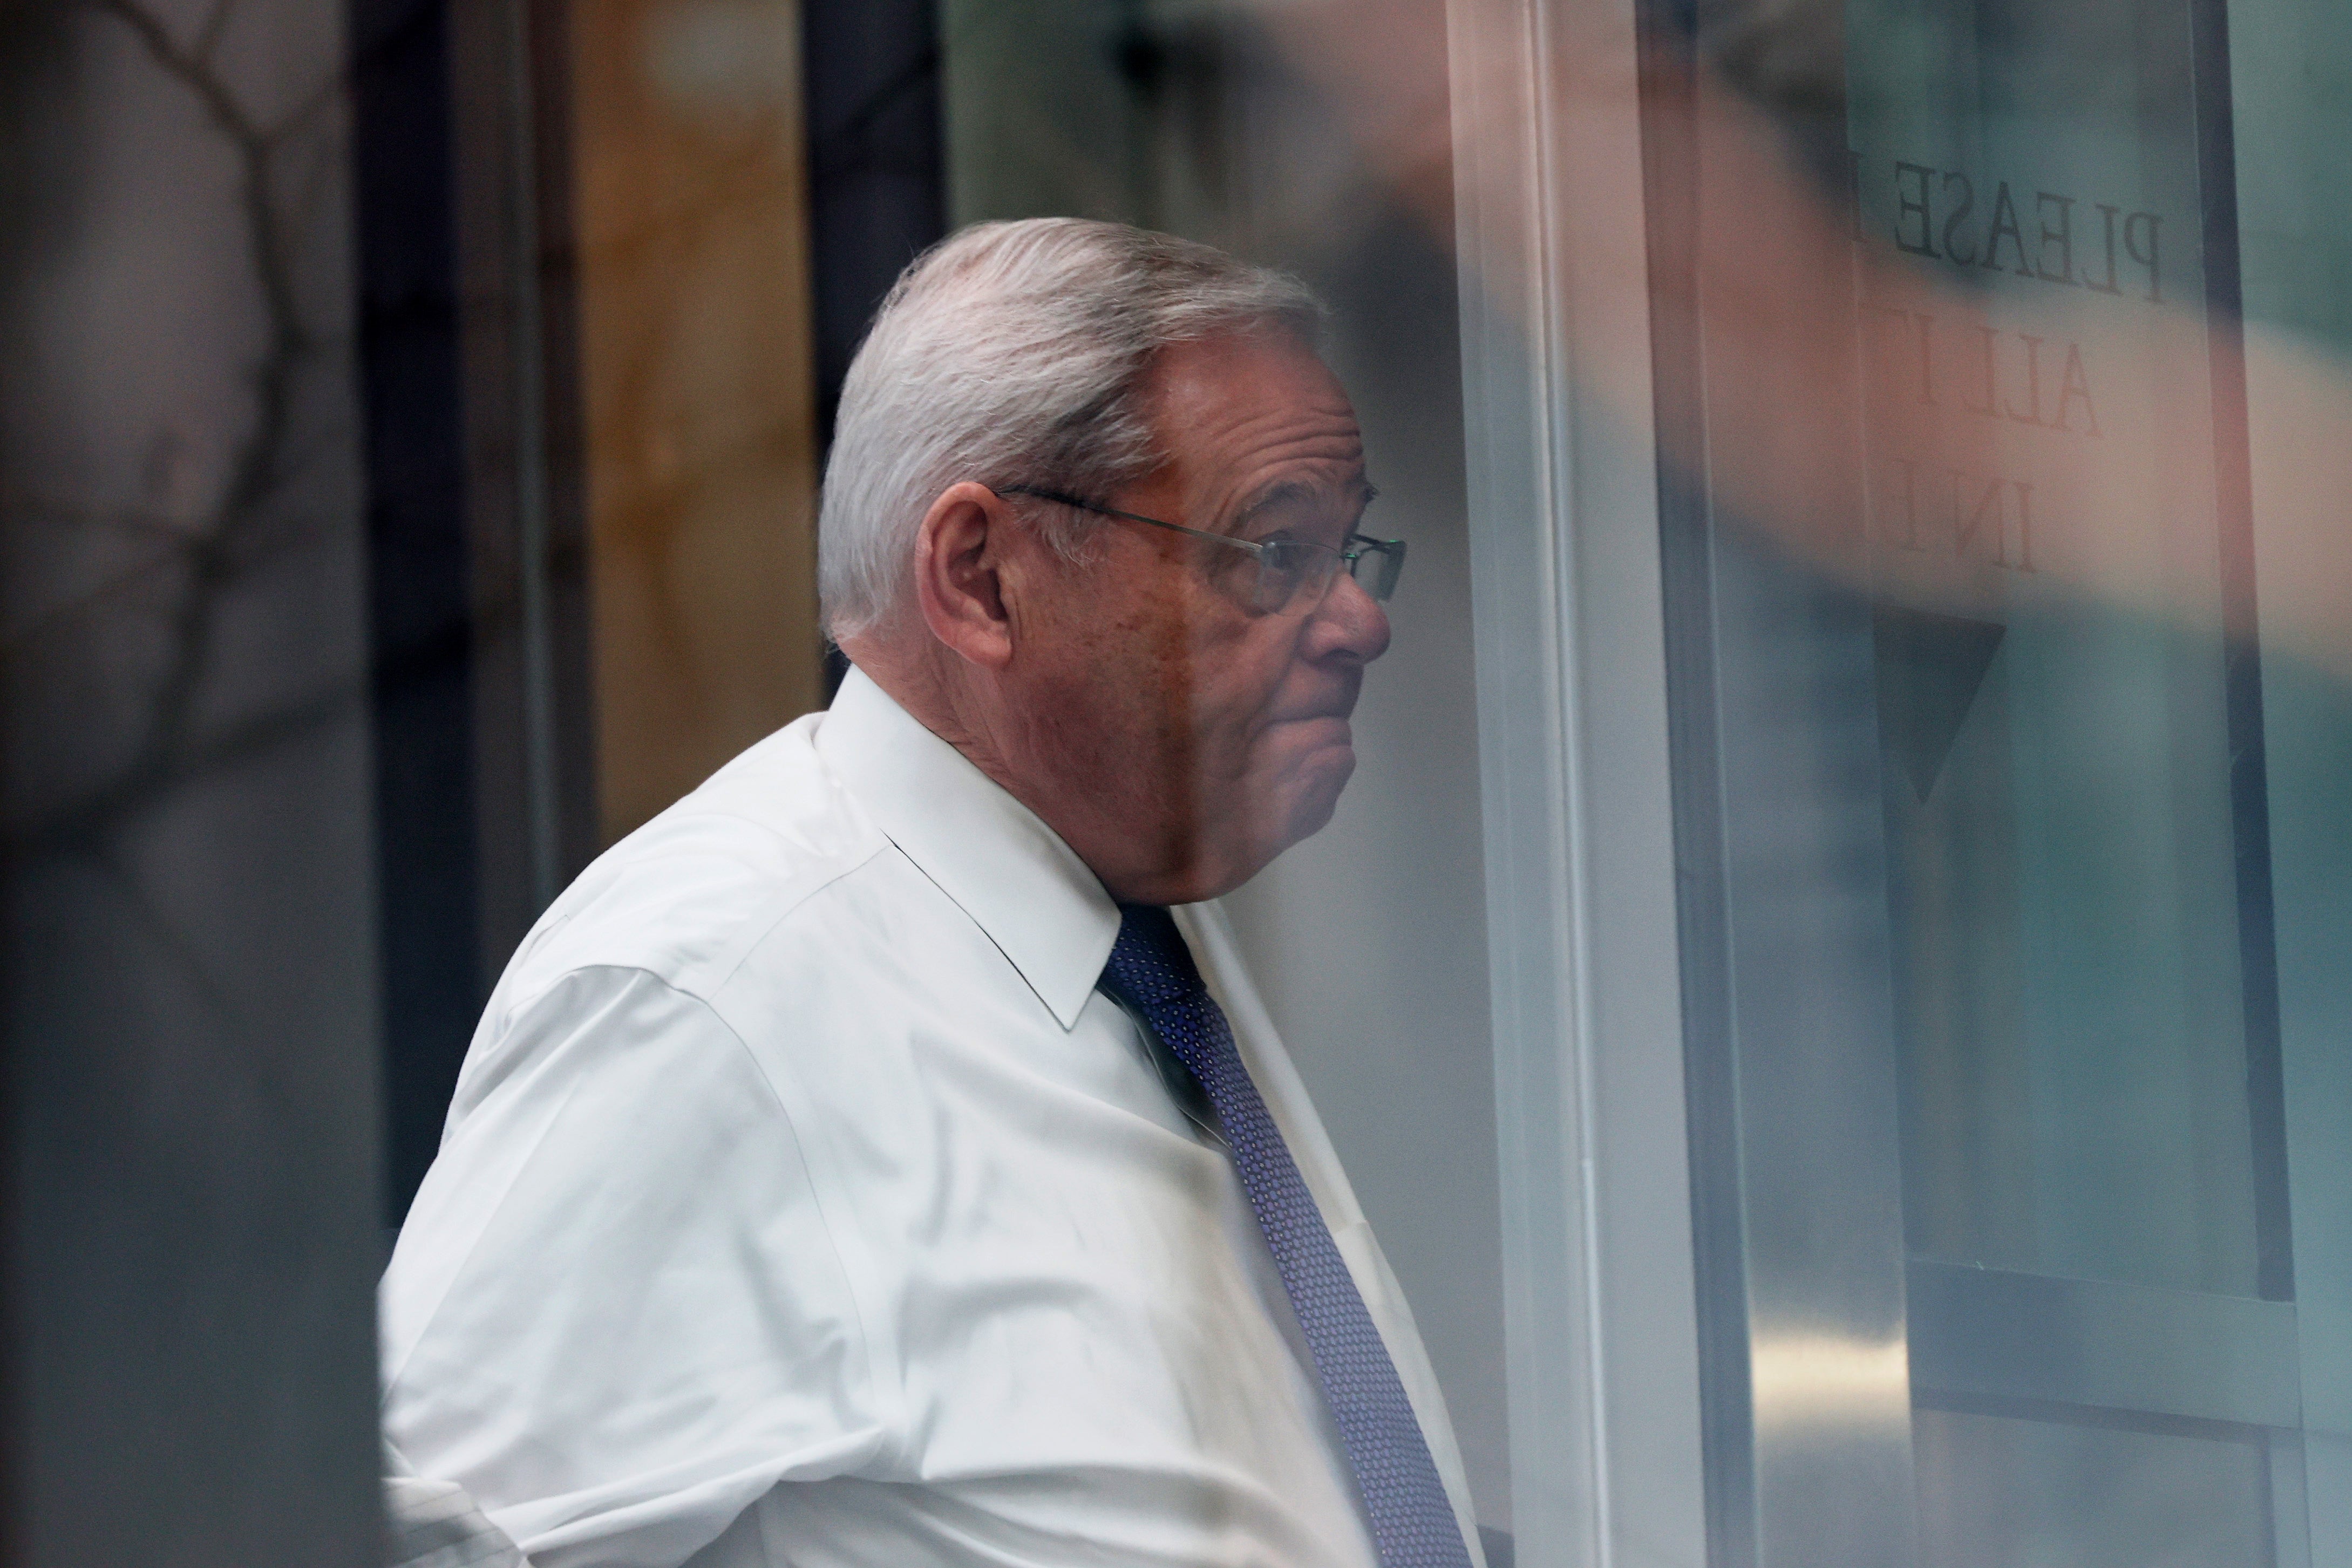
1606, 1460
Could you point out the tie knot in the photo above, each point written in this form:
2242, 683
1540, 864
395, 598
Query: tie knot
1149, 962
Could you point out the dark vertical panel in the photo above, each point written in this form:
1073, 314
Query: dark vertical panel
476, 526
2217, 173
877, 175
568, 630
878, 189
493, 200
33, 106
419, 589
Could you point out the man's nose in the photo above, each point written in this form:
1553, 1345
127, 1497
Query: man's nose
1350, 623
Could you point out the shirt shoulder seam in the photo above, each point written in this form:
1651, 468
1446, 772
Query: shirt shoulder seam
789, 911
707, 991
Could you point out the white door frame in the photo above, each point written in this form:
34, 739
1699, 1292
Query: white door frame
1602, 1325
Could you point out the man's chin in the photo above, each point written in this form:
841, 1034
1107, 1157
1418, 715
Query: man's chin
1317, 781
1293, 800
1318, 745
1336, 761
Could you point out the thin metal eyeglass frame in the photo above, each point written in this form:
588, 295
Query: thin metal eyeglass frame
1390, 551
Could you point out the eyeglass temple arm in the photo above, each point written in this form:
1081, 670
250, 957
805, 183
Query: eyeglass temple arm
1057, 498
1393, 548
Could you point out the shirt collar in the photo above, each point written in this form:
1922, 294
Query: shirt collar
993, 856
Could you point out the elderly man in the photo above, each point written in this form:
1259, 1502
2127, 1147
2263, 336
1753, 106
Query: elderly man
880, 1158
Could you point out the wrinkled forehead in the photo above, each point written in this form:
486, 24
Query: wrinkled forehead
1251, 422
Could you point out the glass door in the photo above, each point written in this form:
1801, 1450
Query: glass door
1991, 1076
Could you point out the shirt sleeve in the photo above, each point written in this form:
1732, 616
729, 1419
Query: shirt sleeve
616, 1315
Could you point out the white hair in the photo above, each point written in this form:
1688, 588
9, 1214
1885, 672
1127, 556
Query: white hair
1013, 353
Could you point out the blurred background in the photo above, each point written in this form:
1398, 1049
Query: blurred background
1832, 981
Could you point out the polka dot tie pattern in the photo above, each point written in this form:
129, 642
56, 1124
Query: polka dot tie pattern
1413, 1522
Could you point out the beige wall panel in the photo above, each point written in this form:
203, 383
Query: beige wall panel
694, 360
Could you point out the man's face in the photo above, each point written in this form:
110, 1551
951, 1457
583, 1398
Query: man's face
1211, 731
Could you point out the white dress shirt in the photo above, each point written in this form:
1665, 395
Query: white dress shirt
802, 1202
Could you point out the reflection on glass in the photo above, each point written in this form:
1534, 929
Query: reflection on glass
2062, 831
2053, 389
1233, 123
2032, 642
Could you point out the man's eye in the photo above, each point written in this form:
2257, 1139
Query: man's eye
1286, 555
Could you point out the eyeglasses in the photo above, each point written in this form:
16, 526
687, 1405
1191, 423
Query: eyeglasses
1290, 573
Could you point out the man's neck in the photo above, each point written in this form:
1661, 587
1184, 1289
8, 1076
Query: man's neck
943, 702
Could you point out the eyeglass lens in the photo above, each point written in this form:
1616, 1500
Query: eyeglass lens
1303, 575
1377, 566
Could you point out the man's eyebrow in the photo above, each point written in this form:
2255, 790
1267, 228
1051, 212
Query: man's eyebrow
1282, 490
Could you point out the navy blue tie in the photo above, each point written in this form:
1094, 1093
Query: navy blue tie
1152, 971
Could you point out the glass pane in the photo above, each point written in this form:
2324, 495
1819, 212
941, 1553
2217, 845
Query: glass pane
202, 693
695, 394
1253, 129
2044, 576
2062, 836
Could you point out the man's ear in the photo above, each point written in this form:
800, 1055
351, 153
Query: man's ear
960, 552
